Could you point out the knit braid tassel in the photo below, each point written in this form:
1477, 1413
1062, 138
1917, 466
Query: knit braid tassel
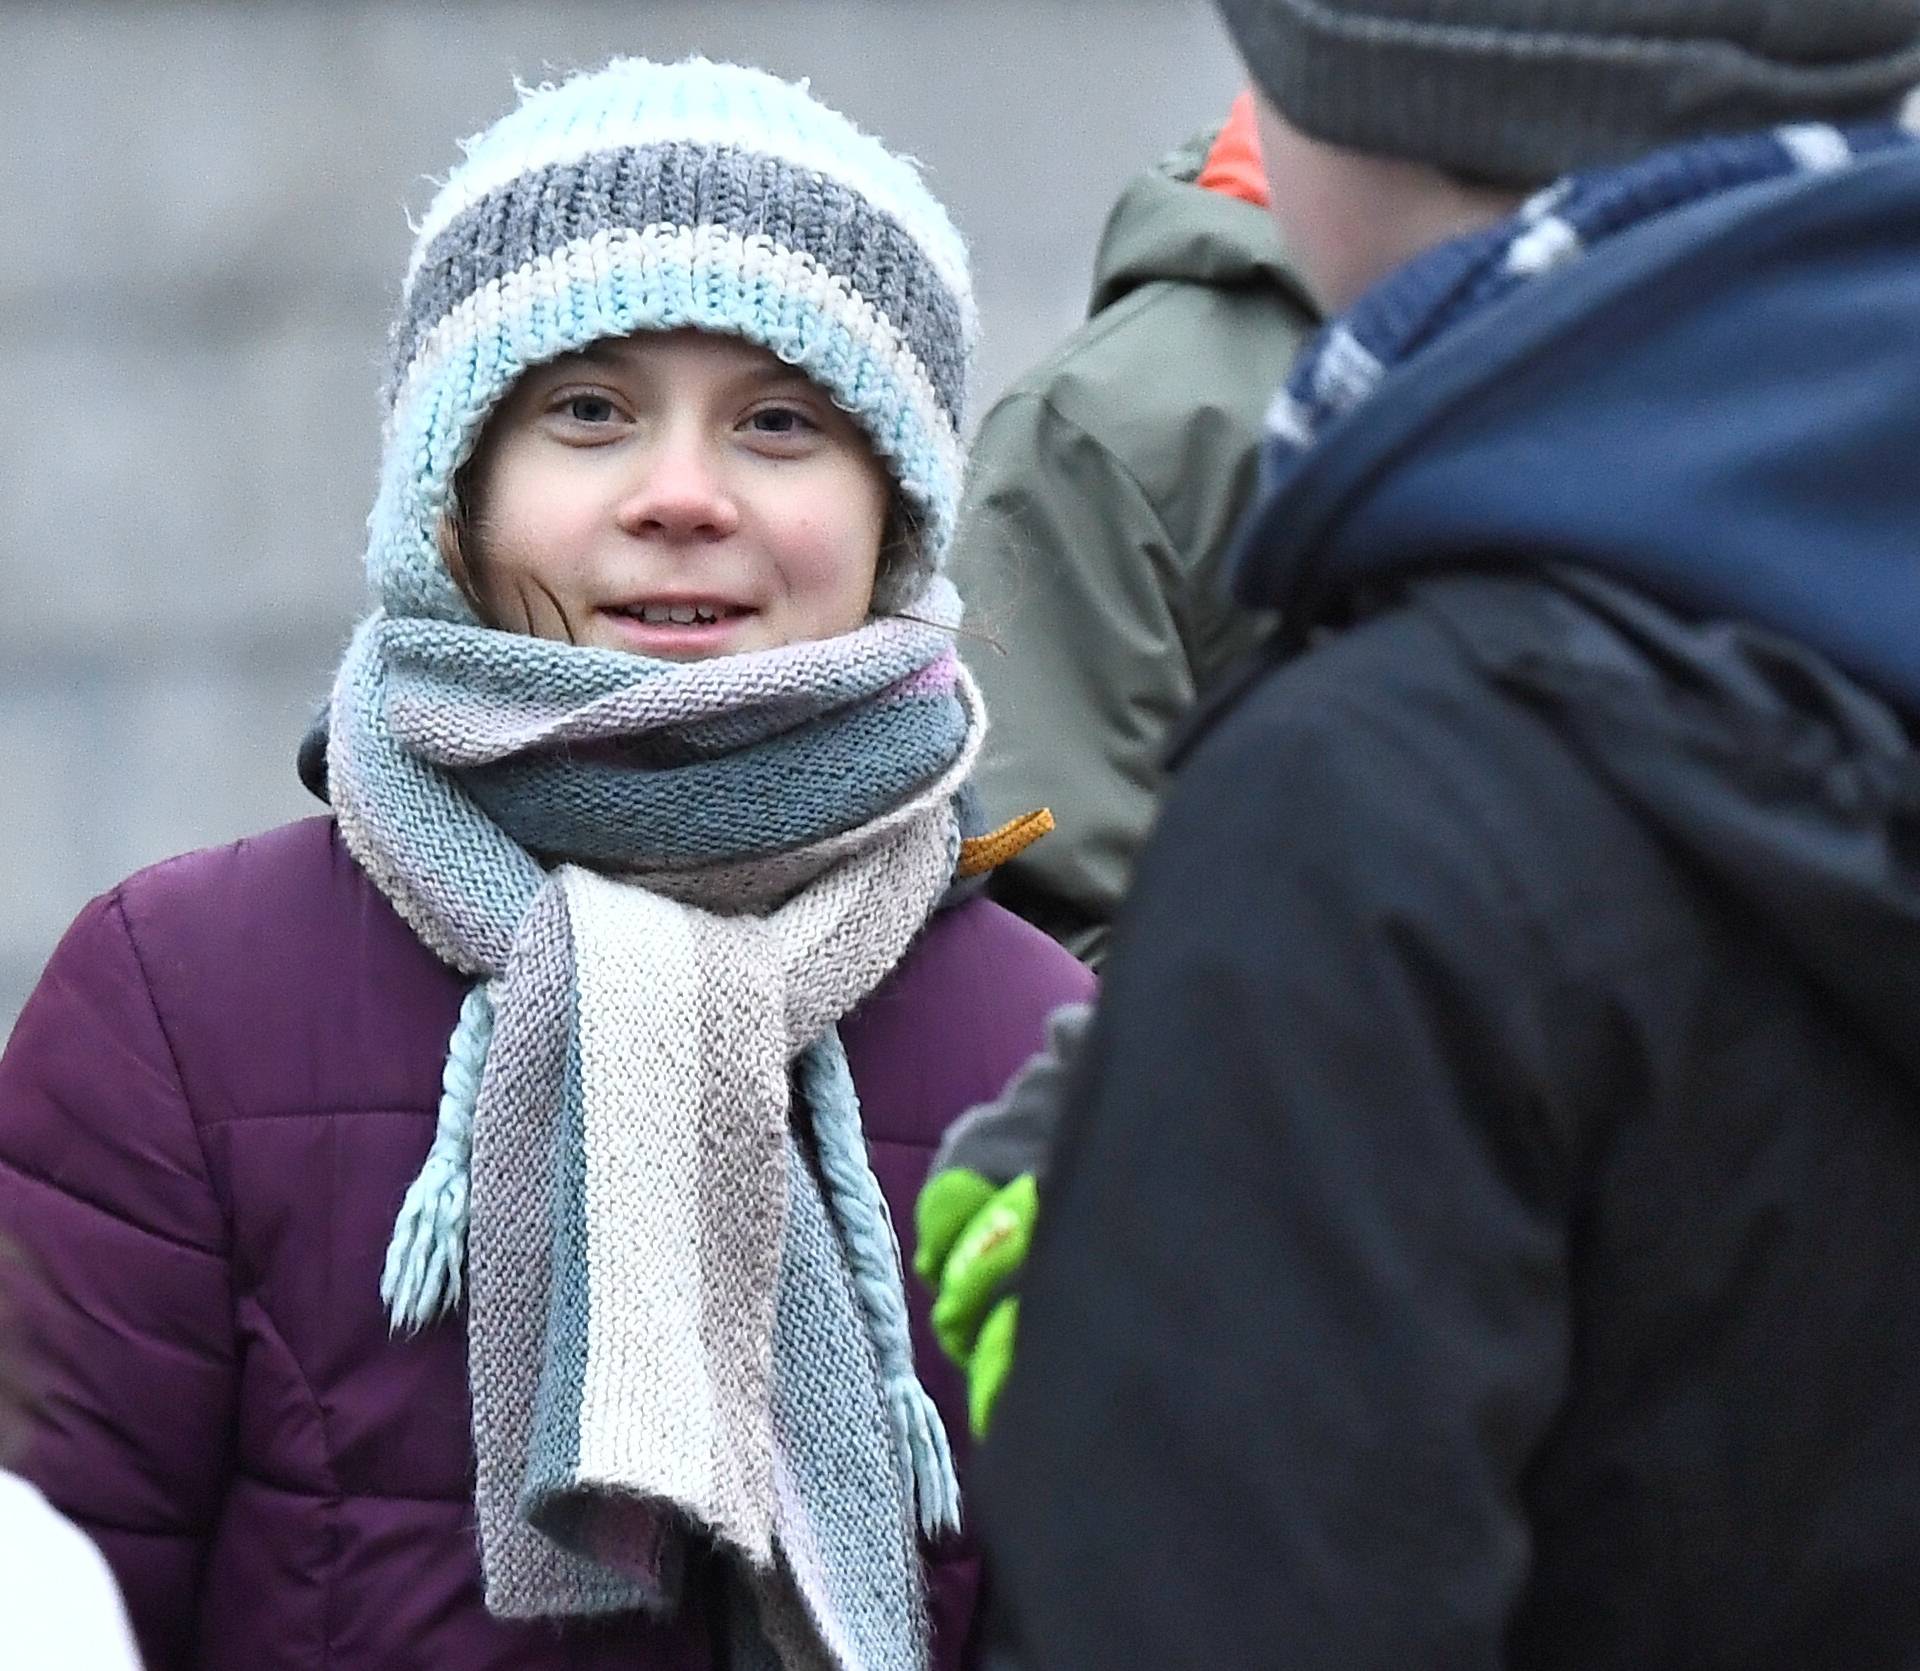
873, 1254
426, 1259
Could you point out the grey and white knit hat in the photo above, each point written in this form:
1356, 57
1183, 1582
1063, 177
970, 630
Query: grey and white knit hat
659, 197
1521, 91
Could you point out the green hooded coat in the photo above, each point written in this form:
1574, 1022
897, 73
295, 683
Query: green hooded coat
1103, 488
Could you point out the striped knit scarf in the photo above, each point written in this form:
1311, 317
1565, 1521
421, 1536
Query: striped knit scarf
669, 882
1464, 277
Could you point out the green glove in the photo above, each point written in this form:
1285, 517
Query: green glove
974, 1235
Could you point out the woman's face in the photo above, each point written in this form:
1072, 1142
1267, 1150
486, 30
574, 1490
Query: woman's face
679, 495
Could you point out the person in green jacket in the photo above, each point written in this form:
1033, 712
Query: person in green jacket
1102, 489
1104, 486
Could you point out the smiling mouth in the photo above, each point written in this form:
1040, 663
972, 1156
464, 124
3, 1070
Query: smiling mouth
682, 614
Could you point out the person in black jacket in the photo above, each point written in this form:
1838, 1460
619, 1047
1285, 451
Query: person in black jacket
1486, 1228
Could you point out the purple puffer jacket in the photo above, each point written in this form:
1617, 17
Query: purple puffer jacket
209, 1111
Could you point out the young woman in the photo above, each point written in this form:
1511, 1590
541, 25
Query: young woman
469, 1214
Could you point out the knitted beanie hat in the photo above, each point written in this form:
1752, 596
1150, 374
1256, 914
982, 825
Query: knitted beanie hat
1522, 91
660, 197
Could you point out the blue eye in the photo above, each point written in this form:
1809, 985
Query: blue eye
781, 420
589, 409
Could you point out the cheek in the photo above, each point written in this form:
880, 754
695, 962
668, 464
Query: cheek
524, 519
828, 545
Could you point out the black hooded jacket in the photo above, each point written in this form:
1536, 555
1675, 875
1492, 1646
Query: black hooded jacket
1487, 1228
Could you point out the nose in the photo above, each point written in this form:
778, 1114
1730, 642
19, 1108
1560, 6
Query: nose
680, 494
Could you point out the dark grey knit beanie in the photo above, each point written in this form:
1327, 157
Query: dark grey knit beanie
1521, 91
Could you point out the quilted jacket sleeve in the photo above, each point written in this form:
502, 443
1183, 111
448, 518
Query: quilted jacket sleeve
104, 1185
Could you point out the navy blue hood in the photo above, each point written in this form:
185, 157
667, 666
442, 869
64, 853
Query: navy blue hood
1670, 499
1720, 408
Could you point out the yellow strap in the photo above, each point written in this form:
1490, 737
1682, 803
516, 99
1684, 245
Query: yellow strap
985, 852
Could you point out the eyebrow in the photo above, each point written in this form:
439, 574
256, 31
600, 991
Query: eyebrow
600, 351
782, 373
606, 352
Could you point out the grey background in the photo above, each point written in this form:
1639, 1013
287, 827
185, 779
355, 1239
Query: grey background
205, 225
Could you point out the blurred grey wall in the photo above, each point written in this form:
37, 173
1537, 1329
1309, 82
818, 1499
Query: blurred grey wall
205, 213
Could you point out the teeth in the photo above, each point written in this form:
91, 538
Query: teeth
677, 614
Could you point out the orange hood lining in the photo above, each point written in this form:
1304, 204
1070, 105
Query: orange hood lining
1234, 167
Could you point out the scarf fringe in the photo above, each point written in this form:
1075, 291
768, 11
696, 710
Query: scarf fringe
920, 1438
425, 1268
873, 1254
